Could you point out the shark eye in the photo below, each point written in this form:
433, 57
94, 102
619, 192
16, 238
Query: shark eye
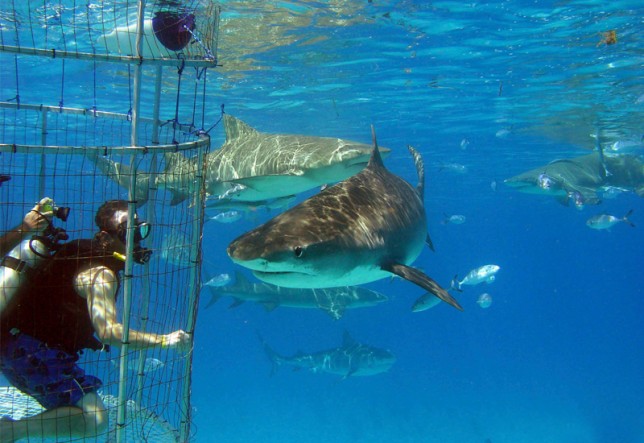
298, 251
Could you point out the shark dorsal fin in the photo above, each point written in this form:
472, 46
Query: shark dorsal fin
420, 170
376, 159
235, 128
347, 340
241, 280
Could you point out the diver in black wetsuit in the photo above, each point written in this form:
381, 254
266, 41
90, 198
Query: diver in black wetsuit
71, 306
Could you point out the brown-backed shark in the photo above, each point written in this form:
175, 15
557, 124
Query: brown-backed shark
365, 228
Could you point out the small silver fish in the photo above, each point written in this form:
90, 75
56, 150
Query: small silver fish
218, 280
175, 247
149, 365
606, 221
455, 219
484, 300
453, 167
503, 133
625, 147
227, 217
612, 192
484, 274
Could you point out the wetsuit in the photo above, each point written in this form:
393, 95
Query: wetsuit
48, 324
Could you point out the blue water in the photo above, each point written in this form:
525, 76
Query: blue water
558, 356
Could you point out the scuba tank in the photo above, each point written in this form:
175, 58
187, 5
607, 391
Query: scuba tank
16, 266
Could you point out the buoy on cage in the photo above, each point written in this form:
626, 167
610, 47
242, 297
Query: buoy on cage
165, 33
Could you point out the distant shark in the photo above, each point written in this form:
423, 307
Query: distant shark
253, 166
362, 229
581, 179
333, 301
352, 359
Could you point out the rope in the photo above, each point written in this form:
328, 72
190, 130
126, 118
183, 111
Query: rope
176, 108
194, 101
91, 39
217, 122
17, 97
62, 87
203, 98
208, 53
129, 92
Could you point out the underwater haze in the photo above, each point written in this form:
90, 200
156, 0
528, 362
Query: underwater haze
484, 91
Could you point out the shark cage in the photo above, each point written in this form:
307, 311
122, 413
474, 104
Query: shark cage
106, 100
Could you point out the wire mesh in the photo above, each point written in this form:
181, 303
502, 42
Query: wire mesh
66, 127
75, 175
106, 30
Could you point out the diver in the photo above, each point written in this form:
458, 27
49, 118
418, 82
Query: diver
68, 306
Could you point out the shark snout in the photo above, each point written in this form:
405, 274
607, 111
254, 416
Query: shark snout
239, 252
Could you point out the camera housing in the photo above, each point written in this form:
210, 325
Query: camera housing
60, 212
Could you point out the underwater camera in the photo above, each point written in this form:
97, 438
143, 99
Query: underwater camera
60, 212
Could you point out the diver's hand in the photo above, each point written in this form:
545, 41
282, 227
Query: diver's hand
177, 339
39, 217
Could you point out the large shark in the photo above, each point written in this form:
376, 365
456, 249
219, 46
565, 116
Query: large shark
582, 179
362, 229
257, 166
251, 166
333, 301
352, 359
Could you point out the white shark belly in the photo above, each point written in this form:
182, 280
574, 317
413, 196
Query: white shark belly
355, 276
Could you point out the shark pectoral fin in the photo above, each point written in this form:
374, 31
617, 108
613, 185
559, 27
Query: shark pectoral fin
235, 303
177, 198
422, 280
349, 374
563, 200
589, 195
269, 305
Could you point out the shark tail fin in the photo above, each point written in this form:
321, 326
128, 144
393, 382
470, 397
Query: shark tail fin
273, 356
454, 284
214, 297
626, 220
